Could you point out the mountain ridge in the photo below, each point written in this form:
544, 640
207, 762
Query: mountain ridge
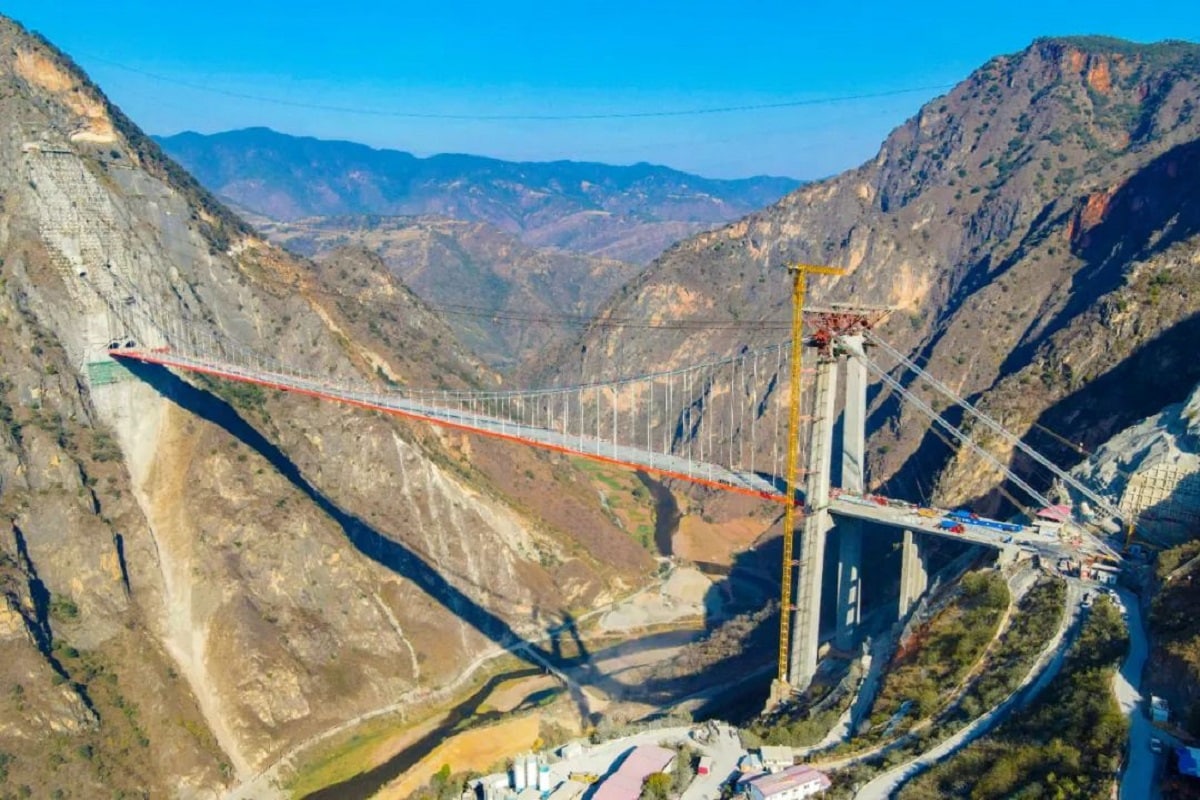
257, 133
990, 220
625, 212
487, 283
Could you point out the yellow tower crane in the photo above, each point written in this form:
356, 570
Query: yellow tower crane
799, 273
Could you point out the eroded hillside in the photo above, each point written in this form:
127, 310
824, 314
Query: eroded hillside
507, 301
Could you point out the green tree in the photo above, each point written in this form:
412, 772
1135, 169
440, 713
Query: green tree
657, 787
682, 773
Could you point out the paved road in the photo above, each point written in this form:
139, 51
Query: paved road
1043, 671
1137, 781
908, 519
876, 660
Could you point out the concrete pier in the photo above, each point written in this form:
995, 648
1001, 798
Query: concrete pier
854, 418
854, 422
914, 573
849, 595
819, 521
817, 524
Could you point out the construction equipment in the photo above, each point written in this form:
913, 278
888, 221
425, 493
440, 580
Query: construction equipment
799, 273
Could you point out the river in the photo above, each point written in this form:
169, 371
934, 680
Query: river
463, 716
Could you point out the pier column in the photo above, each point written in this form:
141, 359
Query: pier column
817, 524
914, 577
854, 420
849, 595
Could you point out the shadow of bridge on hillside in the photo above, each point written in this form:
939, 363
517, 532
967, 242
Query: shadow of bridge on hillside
394, 555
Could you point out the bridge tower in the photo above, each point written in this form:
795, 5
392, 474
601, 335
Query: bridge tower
800, 619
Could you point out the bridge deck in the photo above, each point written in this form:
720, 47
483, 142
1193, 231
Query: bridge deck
896, 515
665, 464
904, 518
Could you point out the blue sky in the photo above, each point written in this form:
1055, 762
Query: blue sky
176, 67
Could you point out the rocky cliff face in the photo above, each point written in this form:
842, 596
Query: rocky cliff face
625, 213
1035, 230
196, 576
506, 300
1153, 470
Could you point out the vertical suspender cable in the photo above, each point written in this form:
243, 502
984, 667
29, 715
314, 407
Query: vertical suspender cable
732, 400
615, 387
649, 415
754, 415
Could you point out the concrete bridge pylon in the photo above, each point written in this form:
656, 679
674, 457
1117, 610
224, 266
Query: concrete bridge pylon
836, 327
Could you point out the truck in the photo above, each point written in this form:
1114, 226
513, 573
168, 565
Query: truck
584, 777
968, 518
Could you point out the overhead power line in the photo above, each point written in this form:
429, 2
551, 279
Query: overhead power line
546, 117
579, 320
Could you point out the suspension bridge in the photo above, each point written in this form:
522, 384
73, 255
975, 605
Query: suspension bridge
725, 424
734, 423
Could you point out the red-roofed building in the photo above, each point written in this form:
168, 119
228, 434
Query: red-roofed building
1051, 518
641, 763
1058, 513
792, 783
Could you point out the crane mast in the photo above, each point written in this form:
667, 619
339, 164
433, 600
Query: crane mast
799, 273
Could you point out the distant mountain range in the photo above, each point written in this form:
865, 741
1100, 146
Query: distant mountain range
630, 213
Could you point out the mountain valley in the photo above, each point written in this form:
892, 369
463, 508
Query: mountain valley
213, 587
197, 576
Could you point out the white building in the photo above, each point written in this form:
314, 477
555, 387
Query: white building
792, 783
1105, 575
775, 758
571, 750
